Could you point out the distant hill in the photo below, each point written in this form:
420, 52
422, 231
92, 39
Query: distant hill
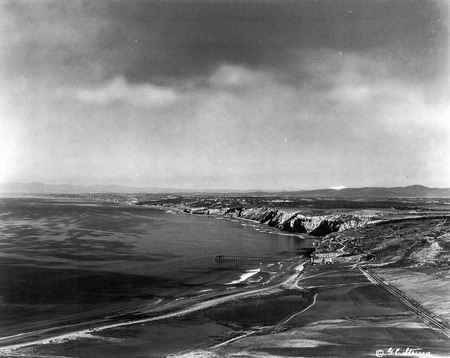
41, 188
412, 191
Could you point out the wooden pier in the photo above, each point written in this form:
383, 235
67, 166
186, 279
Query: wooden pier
250, 258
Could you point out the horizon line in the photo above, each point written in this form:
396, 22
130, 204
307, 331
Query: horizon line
334, 188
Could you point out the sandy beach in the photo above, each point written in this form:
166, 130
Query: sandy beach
349, 316
304, 311
282, 308
286, 279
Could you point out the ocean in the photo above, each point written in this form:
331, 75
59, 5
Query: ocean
68, 264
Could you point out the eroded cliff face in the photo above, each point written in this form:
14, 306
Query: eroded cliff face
294, 222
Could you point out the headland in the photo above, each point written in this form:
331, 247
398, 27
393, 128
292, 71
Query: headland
376, 283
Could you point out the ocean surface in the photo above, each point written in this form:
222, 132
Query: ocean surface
75, 263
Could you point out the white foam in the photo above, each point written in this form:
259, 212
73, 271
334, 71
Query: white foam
15, 335
88, 333
245, 276
206, 290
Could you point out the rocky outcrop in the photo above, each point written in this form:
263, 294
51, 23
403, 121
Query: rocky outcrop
290, 221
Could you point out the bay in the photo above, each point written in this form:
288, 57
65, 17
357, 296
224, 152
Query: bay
75, 262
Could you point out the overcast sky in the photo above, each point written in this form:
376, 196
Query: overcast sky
225, 94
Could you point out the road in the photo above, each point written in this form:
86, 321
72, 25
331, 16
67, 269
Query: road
430, 318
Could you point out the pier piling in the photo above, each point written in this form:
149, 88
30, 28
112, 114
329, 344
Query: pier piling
249, 258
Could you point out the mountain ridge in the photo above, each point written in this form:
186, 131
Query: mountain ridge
419, 191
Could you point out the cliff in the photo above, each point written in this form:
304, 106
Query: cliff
409, 242
290, 221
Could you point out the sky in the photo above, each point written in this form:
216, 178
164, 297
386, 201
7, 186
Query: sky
225, 94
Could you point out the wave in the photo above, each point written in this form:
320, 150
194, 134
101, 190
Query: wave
245, 276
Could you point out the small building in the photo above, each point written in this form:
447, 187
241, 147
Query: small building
325, 258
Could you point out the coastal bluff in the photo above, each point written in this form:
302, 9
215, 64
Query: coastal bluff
284, 220
292, 221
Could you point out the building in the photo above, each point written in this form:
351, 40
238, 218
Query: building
325, 258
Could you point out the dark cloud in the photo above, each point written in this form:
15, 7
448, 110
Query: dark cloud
166, 41
194, 37
231, 94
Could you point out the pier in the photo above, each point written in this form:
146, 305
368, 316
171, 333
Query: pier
250, 258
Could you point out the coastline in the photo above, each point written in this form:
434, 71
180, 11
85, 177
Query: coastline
363, 319
285, 281
270, 229
289, 314
166, 310
299, 220
362, 311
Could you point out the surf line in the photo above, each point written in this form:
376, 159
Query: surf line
88, 331
197, 307
244, 277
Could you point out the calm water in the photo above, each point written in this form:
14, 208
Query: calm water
68, 262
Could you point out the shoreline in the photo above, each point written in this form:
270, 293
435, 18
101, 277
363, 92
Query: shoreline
174, 309
296, 222
341, 297
267, 228
362, 319
169, 309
